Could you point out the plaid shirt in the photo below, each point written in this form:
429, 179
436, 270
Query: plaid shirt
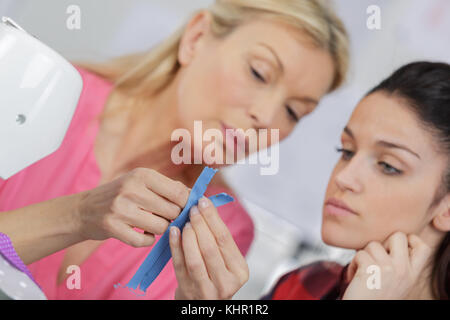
323, 280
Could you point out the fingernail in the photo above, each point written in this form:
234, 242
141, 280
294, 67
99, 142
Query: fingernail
187, 225
203, 202
194, 211
174, 231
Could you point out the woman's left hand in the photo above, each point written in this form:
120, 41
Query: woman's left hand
207, 261
397, 263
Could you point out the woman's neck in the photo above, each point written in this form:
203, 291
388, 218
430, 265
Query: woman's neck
423, 289
144, 139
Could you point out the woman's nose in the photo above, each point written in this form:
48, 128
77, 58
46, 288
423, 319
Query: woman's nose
263, 114
348, 178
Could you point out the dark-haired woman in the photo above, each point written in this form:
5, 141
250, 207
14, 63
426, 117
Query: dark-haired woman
388, 198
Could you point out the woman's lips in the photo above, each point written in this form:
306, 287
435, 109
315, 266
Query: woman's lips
234, 138
337, 207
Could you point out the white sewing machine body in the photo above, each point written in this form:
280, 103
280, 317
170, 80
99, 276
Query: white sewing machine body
39, 92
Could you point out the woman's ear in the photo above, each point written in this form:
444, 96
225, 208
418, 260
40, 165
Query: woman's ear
442, 219
195, 31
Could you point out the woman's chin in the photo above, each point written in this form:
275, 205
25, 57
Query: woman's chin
336, 237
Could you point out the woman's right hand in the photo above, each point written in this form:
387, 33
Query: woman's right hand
141, 198
208, 264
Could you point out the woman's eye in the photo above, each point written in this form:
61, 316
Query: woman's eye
388, 169
346, 154
292, 114
257, 75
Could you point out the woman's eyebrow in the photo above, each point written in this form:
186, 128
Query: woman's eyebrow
308, 100
384, 143
387, 144
280, 64
349, 132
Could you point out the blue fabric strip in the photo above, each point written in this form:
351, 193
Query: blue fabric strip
160, 254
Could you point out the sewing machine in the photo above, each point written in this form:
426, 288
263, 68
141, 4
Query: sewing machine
39, 91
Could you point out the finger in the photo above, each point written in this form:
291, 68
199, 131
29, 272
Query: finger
232, 256
377, 251
146, 221
172, 190
397, 244
152, 202
210, 252
420, 252
128, 235
193, 258
360, 262
351, 270
178, 261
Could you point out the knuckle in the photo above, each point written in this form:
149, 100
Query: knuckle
243, 276
177, 264
131, 241
222, 239
181, 192
138, 242
138, 172
151, 239
372, 245
209, 211
132, 175
194, 267
208, 251
176, 212
150, 172
398, 235
134, 243
173, 211
122, 207
162, 227
137, 177
107, 224
128, 241
116, 204
127, 191
387, 268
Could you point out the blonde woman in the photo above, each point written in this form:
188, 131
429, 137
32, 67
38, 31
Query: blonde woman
238, 64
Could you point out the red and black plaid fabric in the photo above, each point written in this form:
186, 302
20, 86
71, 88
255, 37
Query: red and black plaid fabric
323, 280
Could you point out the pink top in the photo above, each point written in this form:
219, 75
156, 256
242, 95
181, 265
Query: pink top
72, 169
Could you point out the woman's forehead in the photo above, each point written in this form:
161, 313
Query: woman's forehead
380, 116
307, 69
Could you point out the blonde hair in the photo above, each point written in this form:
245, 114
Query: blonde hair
137, 76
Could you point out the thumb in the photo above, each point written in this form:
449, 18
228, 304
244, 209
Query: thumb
361, 260
351, 271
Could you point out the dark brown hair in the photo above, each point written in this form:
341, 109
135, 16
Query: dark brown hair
425, 86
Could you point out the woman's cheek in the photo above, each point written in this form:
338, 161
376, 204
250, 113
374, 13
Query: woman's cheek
234, 85
390, 212
200, 91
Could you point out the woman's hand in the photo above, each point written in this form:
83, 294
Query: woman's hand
142, 198
207, 261
400, 261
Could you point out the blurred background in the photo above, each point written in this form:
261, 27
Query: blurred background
286, 207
